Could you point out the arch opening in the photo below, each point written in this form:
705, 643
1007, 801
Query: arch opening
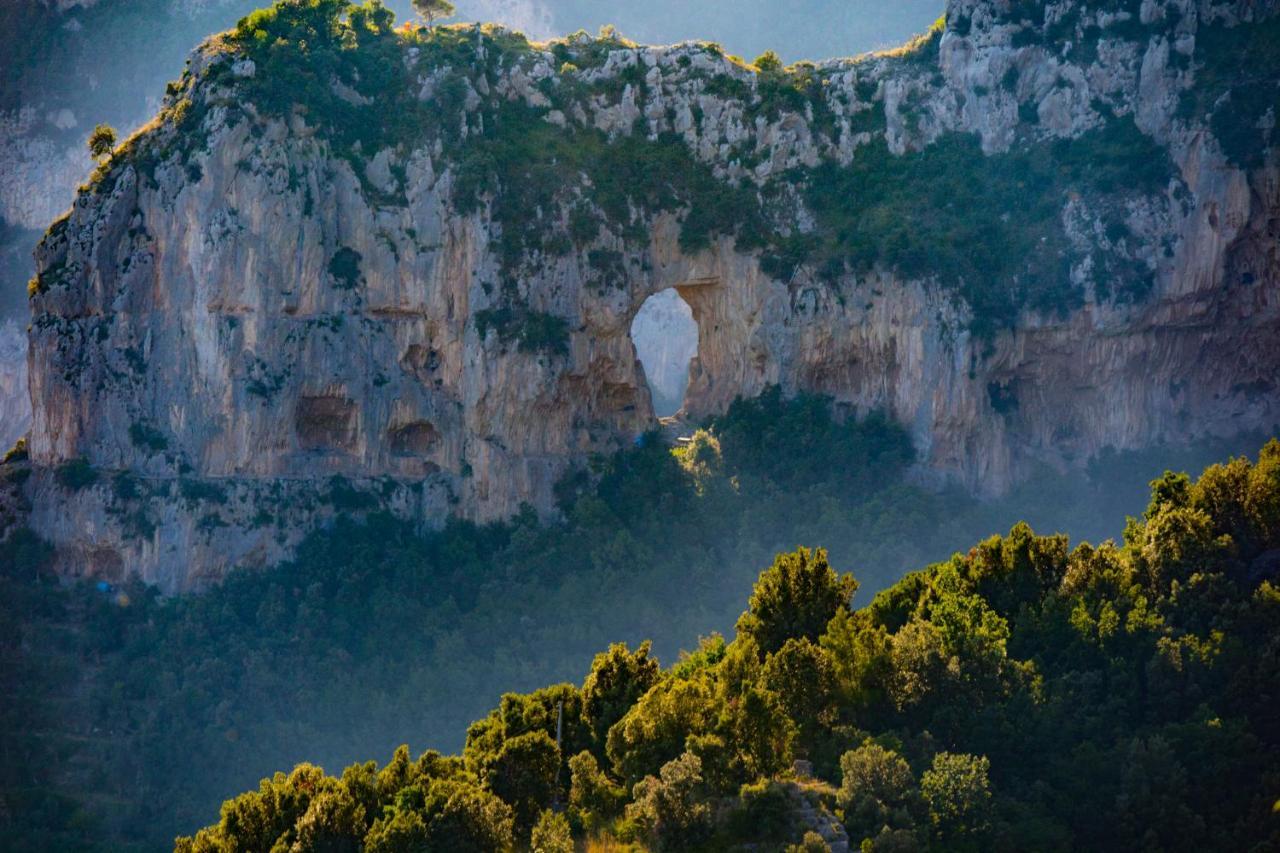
666, 340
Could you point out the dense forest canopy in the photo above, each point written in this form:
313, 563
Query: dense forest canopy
1025, 695
377, 635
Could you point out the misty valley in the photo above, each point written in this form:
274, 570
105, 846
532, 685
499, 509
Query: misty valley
439, 428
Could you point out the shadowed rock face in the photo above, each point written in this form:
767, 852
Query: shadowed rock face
246, 326
14, 399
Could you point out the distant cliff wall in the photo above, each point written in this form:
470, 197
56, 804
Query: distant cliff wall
1031, 235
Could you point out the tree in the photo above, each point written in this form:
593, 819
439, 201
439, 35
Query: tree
524, 775
656, 729
102, 142
759, 733
432, 10
795, 597
768, 62
551, 834
464, 817
334, 822
811, 843
801, 674
549, 710
918, 663
618, 678
859, 652
959, 796
1153, 812
401, 832
877, 791
671, 810
371, 17
594, 798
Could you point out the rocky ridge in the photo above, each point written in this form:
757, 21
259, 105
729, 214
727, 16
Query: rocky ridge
270, 308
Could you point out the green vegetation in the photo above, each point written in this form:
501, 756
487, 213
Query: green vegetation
534, 331
102, 141
300, 48
989, 226
375, 635
344, 266
521, 161
77, 474
431, 10
1023, 695
147, 437
17, 453
1237, 86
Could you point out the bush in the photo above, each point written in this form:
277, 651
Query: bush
799, 442
17, 453
534, 331
958, 794
551, 834
344, 266
201, 491
147, 437
1002, 248
77, 474
762, 813
1235, 87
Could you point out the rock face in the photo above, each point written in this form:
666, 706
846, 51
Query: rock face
249, 323
14, 397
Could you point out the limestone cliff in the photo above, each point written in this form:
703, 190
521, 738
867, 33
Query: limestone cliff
351, 267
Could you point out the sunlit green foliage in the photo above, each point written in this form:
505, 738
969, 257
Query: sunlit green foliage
795, 598
430, 10
102, 141
1010, 712
552, 834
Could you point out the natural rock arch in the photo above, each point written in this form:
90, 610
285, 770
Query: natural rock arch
443, 354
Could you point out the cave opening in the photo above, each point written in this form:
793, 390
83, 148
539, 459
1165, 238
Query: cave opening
666, 340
